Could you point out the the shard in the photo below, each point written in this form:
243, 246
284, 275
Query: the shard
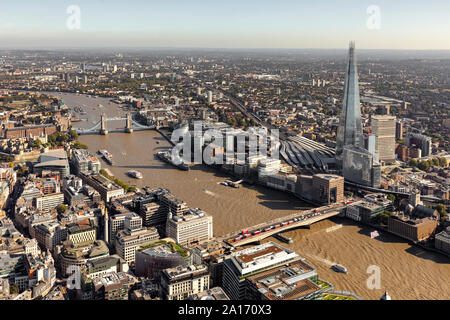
350, 128
353, 161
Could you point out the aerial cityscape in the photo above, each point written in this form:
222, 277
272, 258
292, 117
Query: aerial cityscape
215, 172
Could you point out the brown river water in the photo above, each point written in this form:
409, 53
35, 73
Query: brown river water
406, 272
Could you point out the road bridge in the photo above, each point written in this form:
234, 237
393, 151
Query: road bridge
267, 229
101, 126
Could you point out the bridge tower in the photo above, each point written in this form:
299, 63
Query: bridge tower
129, 126
103, 129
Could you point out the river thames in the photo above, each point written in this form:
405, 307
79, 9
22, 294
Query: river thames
406, 272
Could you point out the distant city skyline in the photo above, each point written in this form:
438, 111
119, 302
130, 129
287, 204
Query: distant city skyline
285, 24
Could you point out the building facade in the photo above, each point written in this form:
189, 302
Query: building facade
182, 282
384, 127
190, 227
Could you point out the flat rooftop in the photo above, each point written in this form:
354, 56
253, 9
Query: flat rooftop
190, 214
259, 257
247, 258
286, 282
181, 272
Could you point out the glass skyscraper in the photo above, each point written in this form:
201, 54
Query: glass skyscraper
353, 161
350, 128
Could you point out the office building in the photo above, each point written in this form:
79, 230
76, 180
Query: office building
327, 188
442, 241
81, 232
296, 280
84, 162
422, 142
156, 256
116, 223
181, 282
267, 166
215, 293
384, 128
49, 201
50, 234
153, 214
80, 254
133, 236
107, 188
111, 286
364, 211
190, 227
251, 261
173, 205
415, 230
102, 266
359, 167
54, 160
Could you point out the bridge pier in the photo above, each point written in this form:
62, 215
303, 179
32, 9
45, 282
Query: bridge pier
101, 126
103, 129
129, 125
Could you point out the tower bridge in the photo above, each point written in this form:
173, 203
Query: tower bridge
101, 127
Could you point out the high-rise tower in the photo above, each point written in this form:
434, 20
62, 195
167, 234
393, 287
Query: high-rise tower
353, 161
350, 128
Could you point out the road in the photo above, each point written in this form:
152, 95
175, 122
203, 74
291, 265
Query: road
267, 229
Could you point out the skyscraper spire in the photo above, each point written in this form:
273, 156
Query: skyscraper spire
350, 128
353, 161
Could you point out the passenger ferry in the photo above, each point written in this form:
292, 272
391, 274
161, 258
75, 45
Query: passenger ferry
135, 174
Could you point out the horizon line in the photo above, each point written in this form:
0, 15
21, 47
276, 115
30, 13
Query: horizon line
43, 48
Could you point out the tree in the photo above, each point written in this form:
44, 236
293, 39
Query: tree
435, 161
441, 209
424, 165
383, 217
391, 197
22, 171
61, 208
443, 162
73, 134
36, 143
14, 289
413, 163
80, 145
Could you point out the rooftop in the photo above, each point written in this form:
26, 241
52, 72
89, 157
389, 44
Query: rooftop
115, 278
163, 248
182, 272
215, 293
192, 213
259, 257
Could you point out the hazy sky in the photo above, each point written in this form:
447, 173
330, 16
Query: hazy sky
403, 24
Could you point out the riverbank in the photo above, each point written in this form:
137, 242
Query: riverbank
408, 272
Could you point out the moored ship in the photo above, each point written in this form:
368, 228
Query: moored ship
106, 156
166, 156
